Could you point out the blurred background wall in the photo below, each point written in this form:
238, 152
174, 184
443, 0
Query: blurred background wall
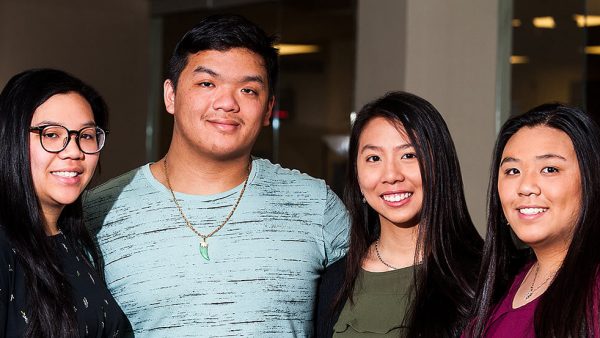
477, 61
105, 43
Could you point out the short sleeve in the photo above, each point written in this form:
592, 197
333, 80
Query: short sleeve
336, 225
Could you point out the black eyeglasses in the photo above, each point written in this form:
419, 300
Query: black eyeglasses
55, 138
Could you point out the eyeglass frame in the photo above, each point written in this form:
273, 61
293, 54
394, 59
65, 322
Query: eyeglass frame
39, 129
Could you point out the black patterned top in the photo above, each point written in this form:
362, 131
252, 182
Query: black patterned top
98, 314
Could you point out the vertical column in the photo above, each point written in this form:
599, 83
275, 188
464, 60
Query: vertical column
381, 48
446, 52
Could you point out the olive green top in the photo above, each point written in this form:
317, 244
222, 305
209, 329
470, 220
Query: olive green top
381, 300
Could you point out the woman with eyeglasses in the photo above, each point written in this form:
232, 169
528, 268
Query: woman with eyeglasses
51, 132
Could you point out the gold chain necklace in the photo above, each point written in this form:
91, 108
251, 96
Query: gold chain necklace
203, 243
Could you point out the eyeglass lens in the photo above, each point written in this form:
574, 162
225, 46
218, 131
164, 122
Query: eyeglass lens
56, 138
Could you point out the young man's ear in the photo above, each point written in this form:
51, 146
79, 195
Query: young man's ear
269, 112
169, 96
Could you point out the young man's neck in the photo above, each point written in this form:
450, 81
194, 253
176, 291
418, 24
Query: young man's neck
201, 175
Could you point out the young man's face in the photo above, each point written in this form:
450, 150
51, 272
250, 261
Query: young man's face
221, 103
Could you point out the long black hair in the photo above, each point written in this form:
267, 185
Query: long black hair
50, 308
448, 242
566, 308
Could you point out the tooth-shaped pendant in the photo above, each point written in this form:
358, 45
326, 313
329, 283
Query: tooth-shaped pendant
204, 249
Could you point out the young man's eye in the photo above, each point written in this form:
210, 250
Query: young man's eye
249, 91
205, 84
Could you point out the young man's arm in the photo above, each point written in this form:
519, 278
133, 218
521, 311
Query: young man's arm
336, 228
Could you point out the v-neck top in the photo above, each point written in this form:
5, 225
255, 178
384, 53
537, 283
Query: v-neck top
507, 321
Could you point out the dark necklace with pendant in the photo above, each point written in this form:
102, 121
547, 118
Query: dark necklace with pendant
203, 243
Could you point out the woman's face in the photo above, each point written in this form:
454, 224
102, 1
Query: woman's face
388, 173
540, 186
59, 178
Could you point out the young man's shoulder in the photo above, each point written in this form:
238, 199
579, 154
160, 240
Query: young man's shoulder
275, 175
121, 190
115, 186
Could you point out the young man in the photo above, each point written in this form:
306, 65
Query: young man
209, 241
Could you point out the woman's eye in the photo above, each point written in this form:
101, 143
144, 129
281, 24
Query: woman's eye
87, 136
511, 171
409, 156
373, 158
50, 135
550, 170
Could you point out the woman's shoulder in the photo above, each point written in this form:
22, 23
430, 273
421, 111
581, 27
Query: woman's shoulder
6, 248
334, 273
4, 241
331, 282
7, 254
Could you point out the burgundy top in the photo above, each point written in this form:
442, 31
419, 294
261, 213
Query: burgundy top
508, 322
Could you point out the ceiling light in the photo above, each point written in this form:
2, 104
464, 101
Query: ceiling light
518, 59
516, 23
594, 50
544, 22
587, 20
291, 49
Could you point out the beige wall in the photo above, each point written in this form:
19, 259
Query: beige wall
105, 43
444, 51
380, 49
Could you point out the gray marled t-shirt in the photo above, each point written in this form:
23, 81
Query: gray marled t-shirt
261, 279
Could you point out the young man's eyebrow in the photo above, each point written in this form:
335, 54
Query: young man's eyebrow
248, 78
202, 69
253, 78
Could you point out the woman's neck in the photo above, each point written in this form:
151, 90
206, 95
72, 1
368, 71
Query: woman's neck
550, 259
51, 216
401, 242
396, 248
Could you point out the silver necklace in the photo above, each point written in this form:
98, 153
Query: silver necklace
531, 289
381, 259
203, 243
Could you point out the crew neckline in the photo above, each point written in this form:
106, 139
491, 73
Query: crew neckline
145, 170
